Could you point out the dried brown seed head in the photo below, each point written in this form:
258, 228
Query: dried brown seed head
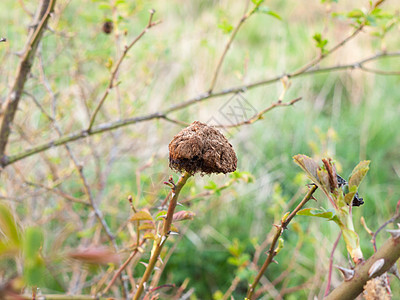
201, 148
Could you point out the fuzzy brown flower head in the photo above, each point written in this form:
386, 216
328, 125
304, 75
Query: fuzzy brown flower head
201, 148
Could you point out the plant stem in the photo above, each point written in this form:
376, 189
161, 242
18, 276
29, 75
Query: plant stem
279, 230
350, 289
159, 243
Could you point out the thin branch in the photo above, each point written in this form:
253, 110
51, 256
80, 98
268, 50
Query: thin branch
7, 160
279, 231
391, 220
121, 268
316, 60
10, 106
60, 193
228, 45
260, 115
328, 285
118, 64
389, 252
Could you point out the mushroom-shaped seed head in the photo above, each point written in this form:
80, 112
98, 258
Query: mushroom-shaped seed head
201, 148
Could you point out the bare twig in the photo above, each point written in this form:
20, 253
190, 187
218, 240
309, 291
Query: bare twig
10, 106
391, 220
228, 45
7, 160
279, 231
116, 68
260, 115
328, 285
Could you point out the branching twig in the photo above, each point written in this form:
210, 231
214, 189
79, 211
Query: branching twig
116, 68
279, 230
10, 106
260, 115
391, 220
7, 160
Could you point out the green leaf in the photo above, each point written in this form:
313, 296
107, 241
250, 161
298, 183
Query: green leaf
33, 242
161, 215
313, 212
8, 227
355, 14
358, 174
257, 2
225, 26
141, 216
281, 243
266, 10
211, 185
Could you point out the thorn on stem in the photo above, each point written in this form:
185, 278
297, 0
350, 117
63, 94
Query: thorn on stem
347, 273
376, 266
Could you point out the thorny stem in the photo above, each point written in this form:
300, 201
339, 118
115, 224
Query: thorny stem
350, 289
159, 242
279, 230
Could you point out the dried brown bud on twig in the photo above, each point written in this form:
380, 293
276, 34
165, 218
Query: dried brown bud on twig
201, 148
108, 27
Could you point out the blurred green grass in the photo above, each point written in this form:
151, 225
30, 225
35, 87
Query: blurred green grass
349, 115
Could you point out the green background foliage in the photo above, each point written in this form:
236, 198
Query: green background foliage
350, 115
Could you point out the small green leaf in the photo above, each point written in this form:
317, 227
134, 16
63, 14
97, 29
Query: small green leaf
266, 10
161, 215
359, 173
225, 26
257, 2
285, 216
355, 14
211, 185
141, 216
313, 212
281, 243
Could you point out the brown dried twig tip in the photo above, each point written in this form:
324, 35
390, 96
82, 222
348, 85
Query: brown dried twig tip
201, 148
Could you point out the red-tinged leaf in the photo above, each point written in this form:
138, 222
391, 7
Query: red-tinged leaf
323, 177
95, 255
359, 173
142, 215
308, 165
183, 215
